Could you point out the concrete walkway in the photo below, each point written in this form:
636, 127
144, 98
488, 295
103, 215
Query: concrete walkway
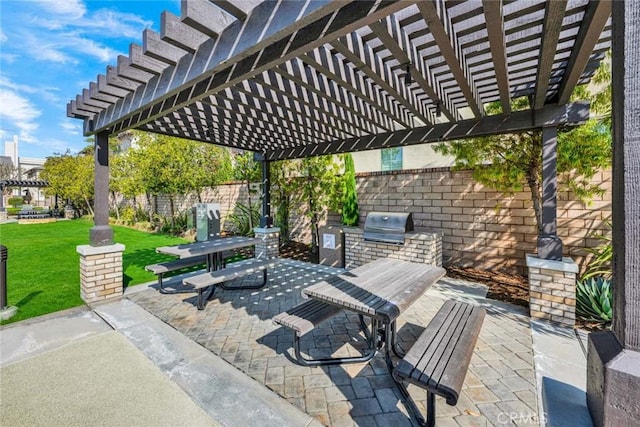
74, 369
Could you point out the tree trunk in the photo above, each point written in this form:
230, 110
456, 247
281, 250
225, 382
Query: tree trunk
115, 205
86, 200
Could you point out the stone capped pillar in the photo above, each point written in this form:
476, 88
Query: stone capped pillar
552, 289
269, 247
100, 272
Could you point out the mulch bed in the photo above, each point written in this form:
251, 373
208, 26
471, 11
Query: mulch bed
502, 287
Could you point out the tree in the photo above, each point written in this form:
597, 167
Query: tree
283, 186
505, 162
350, 213
247, 170
320, 188
167, 165
71, 177
8, 171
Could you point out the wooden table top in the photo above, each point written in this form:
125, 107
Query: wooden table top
188, 250
383, 288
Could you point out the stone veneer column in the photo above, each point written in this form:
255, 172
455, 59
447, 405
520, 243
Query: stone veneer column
100, 272
269, 247
552, 289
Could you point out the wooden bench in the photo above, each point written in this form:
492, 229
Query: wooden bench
306, 316
231, 271
439, 359
177, 264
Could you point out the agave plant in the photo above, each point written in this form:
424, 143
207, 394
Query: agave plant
594, 299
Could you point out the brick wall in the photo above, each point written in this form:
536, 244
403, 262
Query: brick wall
482, 228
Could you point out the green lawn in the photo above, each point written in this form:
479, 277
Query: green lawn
43, 266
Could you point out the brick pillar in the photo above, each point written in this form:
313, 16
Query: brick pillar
269, 247
100, 272
552, 289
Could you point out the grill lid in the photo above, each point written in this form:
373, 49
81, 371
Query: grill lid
387, 227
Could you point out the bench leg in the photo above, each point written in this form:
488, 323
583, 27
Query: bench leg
371, 349
166, 291
431, 409
390, 332
260, 286
202, 299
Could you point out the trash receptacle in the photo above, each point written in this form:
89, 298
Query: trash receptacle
332, 246
3, 276
5, 311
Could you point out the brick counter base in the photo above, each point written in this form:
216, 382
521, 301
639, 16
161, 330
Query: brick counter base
424, 247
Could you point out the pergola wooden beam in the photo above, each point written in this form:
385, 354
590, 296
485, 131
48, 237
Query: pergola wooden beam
553, 16
435, 15
355, 50
550, 115
245, 49
177, 33
304, 76
593, 22
495, 31
327, 64
394, 39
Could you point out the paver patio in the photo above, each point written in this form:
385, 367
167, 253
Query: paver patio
236, 325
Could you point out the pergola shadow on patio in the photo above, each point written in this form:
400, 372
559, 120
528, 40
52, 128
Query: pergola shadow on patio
302, 78
237, 326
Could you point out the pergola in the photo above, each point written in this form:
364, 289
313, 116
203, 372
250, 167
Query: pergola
291, 79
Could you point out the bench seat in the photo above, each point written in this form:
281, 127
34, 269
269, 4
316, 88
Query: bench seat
232, 271
306, 316
161, 268
439, 359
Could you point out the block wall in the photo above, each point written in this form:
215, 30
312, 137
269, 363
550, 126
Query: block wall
480, 227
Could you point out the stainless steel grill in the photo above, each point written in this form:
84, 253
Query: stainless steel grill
388, 227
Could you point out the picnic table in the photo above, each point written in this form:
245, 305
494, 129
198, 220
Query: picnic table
217, 273
381, 290
212, 249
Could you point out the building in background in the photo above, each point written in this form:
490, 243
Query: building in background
26, 169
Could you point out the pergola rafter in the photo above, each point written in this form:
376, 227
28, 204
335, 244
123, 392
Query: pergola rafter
292, 79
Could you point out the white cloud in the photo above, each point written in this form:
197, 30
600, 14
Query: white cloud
71, 128
70, 9
48, 93
3, 37
18, 114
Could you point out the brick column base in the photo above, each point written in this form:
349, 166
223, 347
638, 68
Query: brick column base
3, 214
100, 272
552, 289
269, 247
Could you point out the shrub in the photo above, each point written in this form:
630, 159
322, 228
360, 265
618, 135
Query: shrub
600, 265
240, 219
594, 299
350, 214
15, 201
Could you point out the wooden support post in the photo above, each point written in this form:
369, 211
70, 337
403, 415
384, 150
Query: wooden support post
549, 244
266, 221
101, 233
613, 377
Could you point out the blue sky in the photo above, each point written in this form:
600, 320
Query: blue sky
49, 51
